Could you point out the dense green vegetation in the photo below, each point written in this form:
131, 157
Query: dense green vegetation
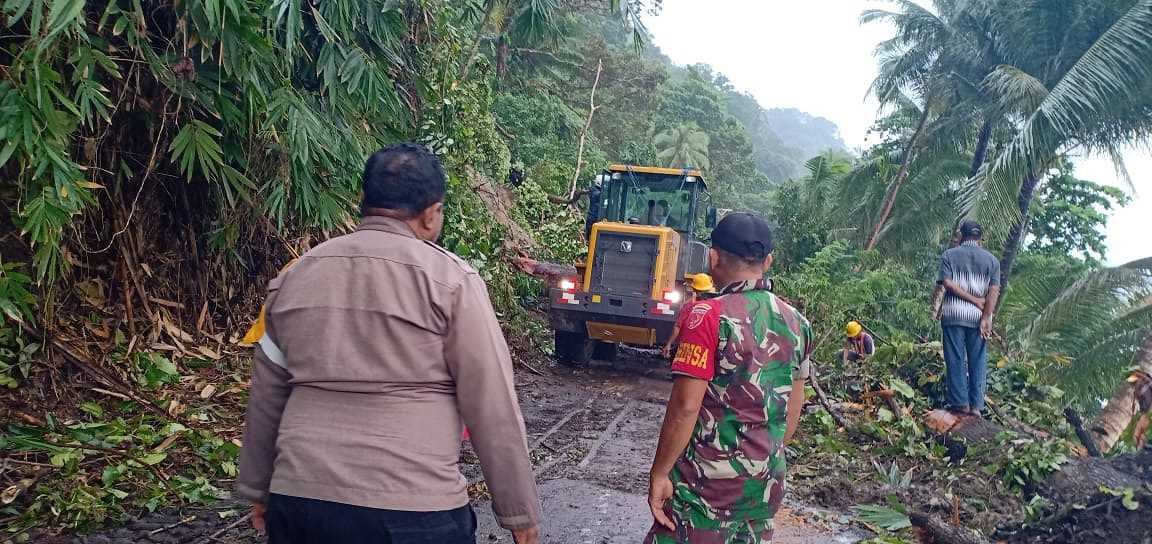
159, 160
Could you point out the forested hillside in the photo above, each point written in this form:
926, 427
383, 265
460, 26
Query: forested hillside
161, 160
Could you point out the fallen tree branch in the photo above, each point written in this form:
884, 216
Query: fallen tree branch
171, 526
877, 337
813, 376
1081, 433
584, 133
889, 397
124, 455
531, 368
216, 536
89, 368
567, 201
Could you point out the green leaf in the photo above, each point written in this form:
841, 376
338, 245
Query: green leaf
62, 14
884, 517
6, 153
166, 366
174, 428
16, 10
92, 408
1129, 501
153, 458
195, 148
902, 387
119, 26
11, 310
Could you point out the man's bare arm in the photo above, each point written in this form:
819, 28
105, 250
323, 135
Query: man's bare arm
989, 308
796, 401
937, 300
955, 289
671, 340
679, 422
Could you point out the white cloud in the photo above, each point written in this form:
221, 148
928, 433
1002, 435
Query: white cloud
814, 55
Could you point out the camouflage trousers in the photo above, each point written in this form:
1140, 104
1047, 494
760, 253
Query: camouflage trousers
757, 531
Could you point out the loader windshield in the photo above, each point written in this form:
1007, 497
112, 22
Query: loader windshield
650, 199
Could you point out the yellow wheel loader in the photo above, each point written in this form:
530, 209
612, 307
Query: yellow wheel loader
642, 242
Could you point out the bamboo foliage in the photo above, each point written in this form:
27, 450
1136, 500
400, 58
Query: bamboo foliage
269, 106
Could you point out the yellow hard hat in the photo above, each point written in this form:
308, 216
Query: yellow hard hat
702, 283
853, 329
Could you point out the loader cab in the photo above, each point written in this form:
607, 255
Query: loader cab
657, 197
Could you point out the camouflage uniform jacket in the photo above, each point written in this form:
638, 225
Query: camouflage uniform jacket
751, 346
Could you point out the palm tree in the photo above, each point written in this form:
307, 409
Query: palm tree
923, 211
527, 23
1077, 80
683, 146
1088, 326
934, 63
1121, 409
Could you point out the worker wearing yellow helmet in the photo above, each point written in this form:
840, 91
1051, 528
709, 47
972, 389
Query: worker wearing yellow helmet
699, 286
858, 344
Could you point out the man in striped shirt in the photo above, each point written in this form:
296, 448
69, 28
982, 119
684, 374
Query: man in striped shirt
970, 276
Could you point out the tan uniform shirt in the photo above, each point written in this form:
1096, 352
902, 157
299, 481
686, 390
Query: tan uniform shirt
376, 346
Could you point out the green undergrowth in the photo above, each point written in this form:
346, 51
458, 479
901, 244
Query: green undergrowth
897, 463
100, 469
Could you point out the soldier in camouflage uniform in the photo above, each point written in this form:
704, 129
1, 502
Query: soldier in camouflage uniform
718, 476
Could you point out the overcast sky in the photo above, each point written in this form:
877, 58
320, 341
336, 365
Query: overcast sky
815, 56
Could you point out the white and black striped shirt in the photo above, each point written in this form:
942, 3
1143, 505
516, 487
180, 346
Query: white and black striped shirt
973, 269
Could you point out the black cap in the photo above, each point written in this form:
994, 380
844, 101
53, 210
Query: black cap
971, 230
743, 235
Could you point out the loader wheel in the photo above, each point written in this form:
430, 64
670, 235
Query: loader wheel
605, 351
573, 348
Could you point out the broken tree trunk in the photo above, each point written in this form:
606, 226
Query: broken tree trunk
942, 533
901, 175
815, 378
889, 397
1122, 407
957, 432
499, 203
550, 272
1079, 480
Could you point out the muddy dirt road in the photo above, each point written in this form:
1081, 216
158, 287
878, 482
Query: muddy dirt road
592, 432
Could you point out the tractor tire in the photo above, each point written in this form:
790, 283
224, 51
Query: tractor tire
573, 348
605, 351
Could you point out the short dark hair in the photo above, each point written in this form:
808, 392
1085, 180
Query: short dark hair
405, 177
971, 230
737, 261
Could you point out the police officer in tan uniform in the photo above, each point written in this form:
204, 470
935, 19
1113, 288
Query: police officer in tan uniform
374, 349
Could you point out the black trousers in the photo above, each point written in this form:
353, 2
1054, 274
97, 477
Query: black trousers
296, 520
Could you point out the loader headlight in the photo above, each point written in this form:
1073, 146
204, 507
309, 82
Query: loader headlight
567, 284
673, 297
